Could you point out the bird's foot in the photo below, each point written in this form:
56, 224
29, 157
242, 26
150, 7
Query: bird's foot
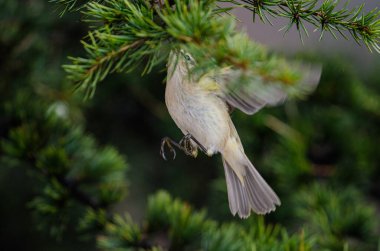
185, 144
168, 142
189, 136
188, 147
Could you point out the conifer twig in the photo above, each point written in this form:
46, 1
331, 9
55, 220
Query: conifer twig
326, 16
126, 34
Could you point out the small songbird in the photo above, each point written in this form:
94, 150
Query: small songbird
201, 110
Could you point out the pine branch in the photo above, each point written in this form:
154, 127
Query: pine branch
95, 70
70, 185
126, 37
363, 27
74, 172
127, 34
172, 224
78, 194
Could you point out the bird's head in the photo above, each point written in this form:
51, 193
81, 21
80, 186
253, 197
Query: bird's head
180, 61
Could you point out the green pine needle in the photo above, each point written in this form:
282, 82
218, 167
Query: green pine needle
363, 27
128, 34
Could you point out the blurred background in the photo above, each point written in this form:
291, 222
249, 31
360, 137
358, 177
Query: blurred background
320, 155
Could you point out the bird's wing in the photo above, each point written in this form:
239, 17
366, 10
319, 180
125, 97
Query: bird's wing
251, 93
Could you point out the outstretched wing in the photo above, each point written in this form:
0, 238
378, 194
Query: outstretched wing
250, 93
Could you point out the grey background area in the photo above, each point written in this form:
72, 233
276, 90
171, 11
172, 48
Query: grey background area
291, 43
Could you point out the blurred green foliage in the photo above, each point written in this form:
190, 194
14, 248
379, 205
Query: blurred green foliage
339, 217
172, 224
56, 173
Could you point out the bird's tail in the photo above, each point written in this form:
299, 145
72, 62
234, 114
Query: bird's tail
247, 190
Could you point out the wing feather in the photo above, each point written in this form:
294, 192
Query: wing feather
251, 93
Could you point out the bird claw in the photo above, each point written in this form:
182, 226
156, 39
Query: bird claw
166, 142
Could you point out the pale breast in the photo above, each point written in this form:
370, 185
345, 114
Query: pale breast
199, 113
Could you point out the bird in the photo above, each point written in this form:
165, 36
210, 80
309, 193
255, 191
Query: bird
200, 107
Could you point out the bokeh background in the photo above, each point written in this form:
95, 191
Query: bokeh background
321, 154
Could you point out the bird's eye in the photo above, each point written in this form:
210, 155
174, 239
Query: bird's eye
187, 57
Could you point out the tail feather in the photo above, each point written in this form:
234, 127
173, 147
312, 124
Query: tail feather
253, 194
